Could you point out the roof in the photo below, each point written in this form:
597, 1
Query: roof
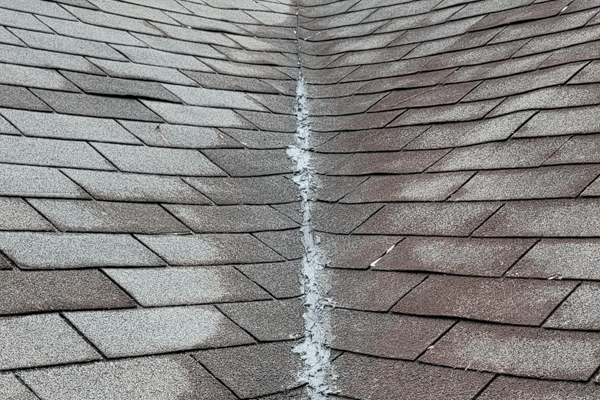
157, 220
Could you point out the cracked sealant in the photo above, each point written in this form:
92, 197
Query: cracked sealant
313, 350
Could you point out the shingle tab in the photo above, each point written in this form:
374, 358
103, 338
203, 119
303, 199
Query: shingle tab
210, 249
560, 122
17, 215
24, 180
353, 251
196, 96
248, 162
12, 388
199, 116
48, 59
37, 340
86, 31
120, 333
505, 387
18, 97
143, 72
182, 286
162, 58
34, 77
177, 377
37, 7
70, 250
259, 190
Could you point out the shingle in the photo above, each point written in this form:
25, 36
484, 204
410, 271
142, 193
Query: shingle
593, 189
231, 218
577, 150
577, 310
199, 116
144, 72
228, 82
120, 87
195, 35
460, 256
22, 180
198, 22
553, 97
244, 70
423, 97
506, 387
179, 46
568, 46
90, 32
261, 140
380, 379
287, 243
26, 292
71, 250
372, 140
509, 154
353, 251
544, 182
95, 216
545, 218
156, 160
560, 122
485, 7
524, 82
68, 126
182, 286
333, 188
384, 335
210, 249
162, 58
37, 340
48, 59
530, 352
332, 218
167, 135
250, 162
282, 280
564, 258
389, 162
65, 44
120, 333
496, 69
18, 97
325, 163
96, 106
344, 45
12, 388
37, 7
17, 215
363, 57
335, 21
135, 187
456, 219
252, 371
421, 187
19, 19
451, 113
8, 38
366, 290
177, 377
50, 152
269, 122
113, 21
507, 301
132, 10
6, 127
214, 98
167, 5
268, 320
258, 190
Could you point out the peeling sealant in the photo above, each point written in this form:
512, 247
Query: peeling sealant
315, 354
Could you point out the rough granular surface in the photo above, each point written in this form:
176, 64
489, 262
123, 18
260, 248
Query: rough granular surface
299, 199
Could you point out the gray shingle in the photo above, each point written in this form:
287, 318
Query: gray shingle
187, 285
231, 218
21, 180
162, 58
27, 292
157, 160
143, 72
260, 190
195, 35
86, 31
18, 97
245, 162
561, 122
6, 127
167, 135
37, 340
176, 377
65, 44
68, 126
132, 10
215, 98
179, 46
71, 250
209, 249
113, 21
17, 215
120, 333
19, 19
578, 310
47, 59
11, 388
96, 106
100, 216
50, 152
37, 7
199, 116
120, 87
282, 280
135, 187
8, 38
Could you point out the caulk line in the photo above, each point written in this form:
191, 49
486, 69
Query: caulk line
313, 350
